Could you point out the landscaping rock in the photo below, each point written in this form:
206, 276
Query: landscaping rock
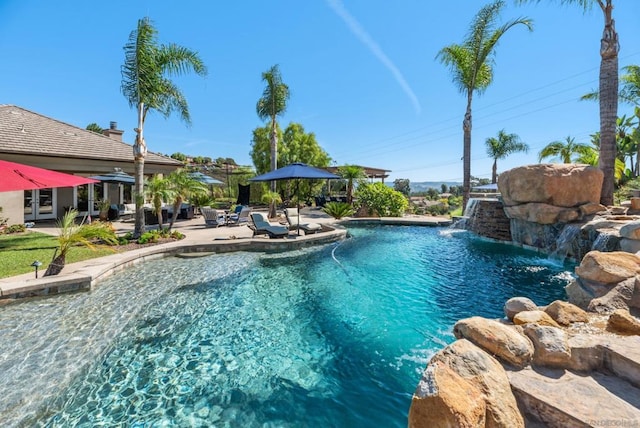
621, 321
631, 230
485, 372
540, 213
518, 304
561, 185
591, 208
565, 313
498, 339
629, 245
550, 344
608, 268
445, 399
618, 297
534, 317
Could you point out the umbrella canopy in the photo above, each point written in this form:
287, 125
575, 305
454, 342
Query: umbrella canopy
16, 176
490, 186
204, 178
295, 170
115, 177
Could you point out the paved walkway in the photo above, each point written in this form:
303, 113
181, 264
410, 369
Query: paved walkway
199, 240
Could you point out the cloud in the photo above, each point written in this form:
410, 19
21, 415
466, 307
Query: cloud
373, 47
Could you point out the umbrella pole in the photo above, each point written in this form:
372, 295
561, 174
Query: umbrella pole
298, 203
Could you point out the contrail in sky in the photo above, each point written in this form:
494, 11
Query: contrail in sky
365, 38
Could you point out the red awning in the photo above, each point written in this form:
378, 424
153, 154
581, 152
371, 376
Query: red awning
16, 176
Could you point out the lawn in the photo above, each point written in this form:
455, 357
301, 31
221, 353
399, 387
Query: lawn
19, 250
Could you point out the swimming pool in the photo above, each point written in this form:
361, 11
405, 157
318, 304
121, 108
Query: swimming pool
331, 336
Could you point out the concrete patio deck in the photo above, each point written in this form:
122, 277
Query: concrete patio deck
199, 240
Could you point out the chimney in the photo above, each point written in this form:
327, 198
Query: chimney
113, 131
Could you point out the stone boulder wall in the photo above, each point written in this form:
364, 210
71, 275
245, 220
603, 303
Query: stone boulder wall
560, 185
463, 386
606, 282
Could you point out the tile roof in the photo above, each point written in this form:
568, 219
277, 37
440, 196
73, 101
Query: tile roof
25, 132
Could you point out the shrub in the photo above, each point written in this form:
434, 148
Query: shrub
149, 237
15, 228
385, 201
338, 210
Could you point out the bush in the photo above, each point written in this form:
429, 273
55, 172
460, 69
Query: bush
338, 210
15, 228
149, 237
382, 199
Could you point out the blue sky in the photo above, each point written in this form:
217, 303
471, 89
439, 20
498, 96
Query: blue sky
362, 74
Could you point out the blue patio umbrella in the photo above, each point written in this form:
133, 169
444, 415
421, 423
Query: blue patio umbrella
119, 177
204, 178
297, 171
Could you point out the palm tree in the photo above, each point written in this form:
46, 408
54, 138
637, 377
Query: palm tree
608, 92
158, 190
183, 186
471, 64
501, 147
72, 234
567, 152
94, 127
351, 173
146, 85
272, 104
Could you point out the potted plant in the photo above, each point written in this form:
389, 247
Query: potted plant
103, 208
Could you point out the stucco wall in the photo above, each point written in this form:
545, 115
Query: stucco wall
12, 207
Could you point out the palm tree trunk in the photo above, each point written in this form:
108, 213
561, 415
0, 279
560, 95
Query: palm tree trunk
176, 209
139, 154
466, 156
494, 172
274, 163
56, 266
608, 104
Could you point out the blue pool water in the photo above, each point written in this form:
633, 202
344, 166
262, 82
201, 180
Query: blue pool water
331, 336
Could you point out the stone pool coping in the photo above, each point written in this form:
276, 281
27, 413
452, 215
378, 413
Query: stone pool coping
82, 276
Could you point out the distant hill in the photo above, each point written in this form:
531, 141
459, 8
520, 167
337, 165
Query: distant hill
425, 185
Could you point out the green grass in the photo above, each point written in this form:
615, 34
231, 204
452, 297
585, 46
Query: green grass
21, 249
456, 213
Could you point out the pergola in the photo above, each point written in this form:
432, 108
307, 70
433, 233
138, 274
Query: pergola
372, 173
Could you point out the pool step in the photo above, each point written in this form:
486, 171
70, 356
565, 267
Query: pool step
563, 399
621, 356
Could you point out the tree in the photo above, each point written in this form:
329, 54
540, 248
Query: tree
502, 146
608, 92
183, 186
72, 234
471, 64
146, 85
382, 199
444, 188
158, 190
94, 127
565, 152
403, 186
272, 104
351, 173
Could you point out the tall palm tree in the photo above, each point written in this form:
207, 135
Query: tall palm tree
471, 64
567, 152
158, 190
146, 85
272, 104
351, 173
608, 92
501, 147
183, 186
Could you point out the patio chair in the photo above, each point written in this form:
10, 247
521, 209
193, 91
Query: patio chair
240, 218
293, 218
212, 218
261, 226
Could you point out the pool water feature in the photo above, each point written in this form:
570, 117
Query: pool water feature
330, 336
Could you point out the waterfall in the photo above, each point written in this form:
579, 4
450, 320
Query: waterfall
601, 243
565, 242
469, 213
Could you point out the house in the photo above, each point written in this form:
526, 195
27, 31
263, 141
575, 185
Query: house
33, 139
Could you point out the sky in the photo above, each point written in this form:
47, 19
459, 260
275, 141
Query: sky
363, 75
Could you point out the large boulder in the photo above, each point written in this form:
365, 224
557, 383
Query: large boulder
534, 317
608, 268
565, 313
536, 212
631, 230
478, 371
621, 296
561, 185
518, 304
505, 342
445, 399
621, 321
551, 346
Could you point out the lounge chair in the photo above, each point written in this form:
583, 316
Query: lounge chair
261, 226
212, 218
293, 218
240, 218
